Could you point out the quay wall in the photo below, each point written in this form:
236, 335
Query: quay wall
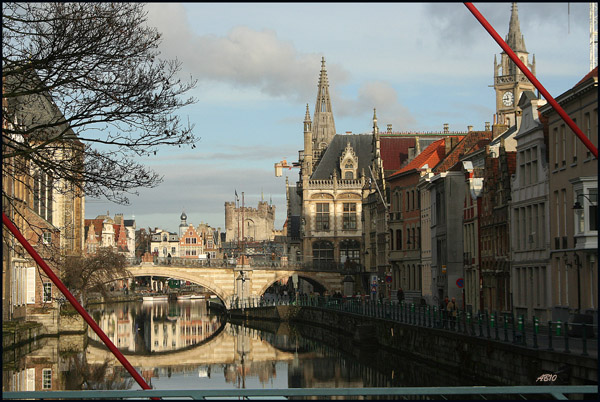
497, 362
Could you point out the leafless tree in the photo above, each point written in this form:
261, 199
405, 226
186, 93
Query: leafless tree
86, 96
86, 275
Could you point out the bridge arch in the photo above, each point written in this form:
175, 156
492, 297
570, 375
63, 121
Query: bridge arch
215, 282
312, 279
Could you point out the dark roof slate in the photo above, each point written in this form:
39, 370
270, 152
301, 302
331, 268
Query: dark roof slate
360, 143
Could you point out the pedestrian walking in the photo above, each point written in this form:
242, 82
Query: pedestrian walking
452, 312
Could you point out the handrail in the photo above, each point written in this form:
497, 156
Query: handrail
499, 327
13, 229
556, 391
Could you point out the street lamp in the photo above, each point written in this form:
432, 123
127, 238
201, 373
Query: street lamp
578, 205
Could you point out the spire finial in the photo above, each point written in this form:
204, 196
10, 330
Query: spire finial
514, 38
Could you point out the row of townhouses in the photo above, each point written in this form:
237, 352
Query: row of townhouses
503, 219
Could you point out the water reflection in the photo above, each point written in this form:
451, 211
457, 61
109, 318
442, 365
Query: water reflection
186, 345
155, 327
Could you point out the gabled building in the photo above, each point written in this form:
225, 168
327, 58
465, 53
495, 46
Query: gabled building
117, 233
333, 182
46, 207
530, 216
442, 195
409, 270
573, 197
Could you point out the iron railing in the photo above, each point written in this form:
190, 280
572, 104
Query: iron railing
567, 337
560, 392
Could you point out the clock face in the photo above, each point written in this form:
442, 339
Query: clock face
507, 98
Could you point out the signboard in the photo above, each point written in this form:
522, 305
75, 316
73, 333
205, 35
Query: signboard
443, 269
388, 279
460, 282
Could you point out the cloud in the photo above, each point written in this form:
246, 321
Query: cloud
243, 58
376, 95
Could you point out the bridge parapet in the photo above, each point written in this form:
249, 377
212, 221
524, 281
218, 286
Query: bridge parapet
255, 262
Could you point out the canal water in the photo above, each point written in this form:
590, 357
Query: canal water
188, 345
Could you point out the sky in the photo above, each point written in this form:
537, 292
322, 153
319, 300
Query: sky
257, 65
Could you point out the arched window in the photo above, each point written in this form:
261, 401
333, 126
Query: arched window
349, 175
322, 253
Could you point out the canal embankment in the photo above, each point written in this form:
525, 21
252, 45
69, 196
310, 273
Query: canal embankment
497, 362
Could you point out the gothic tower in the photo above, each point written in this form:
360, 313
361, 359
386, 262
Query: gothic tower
509, 81
308, 145
323, 124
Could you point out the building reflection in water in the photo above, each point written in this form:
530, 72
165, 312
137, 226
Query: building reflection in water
184, 345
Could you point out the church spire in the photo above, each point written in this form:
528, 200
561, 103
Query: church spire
514, 38
323, 124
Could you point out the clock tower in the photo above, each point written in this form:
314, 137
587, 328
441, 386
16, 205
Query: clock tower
509, 81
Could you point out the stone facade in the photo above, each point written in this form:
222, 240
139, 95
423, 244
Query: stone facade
249, 224
573, 197
530, 245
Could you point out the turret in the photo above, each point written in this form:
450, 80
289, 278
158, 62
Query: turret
308, 144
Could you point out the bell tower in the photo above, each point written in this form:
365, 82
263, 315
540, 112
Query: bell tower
509, 80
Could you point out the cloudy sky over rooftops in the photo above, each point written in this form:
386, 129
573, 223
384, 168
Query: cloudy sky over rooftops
257, 65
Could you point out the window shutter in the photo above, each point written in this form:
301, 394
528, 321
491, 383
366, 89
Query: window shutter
30, 285
30, 380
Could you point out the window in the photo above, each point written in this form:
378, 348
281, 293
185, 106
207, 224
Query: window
351, 250
47, 237
555, 147
398, 239
47, 292
173, 250
349, 218
164, 237
46, 378
575, 141
322, 252
349, 175
579, 216
593, 208
587, 127
563, 144
322, 216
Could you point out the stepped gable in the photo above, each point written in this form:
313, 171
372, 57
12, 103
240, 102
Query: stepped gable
465, 146
360, 143
431, 156
97, 223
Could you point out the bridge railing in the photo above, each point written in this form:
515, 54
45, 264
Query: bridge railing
567, 337
517, 392
255, 262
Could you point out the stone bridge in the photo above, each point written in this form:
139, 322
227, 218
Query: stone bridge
229, 283
224, 347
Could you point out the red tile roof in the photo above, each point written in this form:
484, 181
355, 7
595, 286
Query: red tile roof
430, 156
593, 73
394, 151
465, 146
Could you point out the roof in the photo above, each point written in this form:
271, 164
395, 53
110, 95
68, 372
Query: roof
465, 146
593, 73
430, 156
394, 151
362, 144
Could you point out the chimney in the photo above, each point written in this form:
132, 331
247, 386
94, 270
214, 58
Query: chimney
389, 128
446, 130
447, 144
487, 126
469, 128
